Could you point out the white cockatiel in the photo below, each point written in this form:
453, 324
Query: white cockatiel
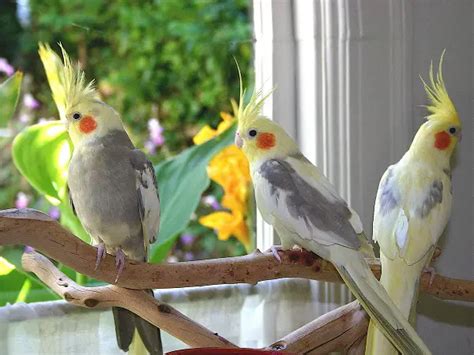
413, 206
112, 186
305, 209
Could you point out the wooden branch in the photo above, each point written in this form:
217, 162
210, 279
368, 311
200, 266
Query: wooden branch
333, 331
33, 228
137, 301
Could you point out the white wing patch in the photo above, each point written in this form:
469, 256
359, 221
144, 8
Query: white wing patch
149, 203
401, 231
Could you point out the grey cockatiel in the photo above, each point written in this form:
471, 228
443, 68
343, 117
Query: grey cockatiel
112, 186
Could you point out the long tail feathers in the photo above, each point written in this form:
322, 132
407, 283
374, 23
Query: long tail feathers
401, 282
375, 300
136, 334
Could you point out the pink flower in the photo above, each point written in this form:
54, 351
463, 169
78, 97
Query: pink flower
5, 67
22, 200
30, 102
24, 118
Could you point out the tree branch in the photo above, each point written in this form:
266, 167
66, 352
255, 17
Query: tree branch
137, 301
33, 228
337, 330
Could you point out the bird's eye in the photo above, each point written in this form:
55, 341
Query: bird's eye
76, 115
252, 133
452, 130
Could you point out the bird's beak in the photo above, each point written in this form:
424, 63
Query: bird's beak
239, 142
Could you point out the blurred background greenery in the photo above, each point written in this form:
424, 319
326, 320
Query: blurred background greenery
166, 65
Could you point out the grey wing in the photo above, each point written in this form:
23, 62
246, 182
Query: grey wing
310, 212
148, 198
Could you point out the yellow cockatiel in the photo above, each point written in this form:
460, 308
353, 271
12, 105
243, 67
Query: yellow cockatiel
296, 198
413, 206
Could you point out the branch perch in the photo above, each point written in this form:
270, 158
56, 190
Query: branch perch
137, 301
337, 330
33, 228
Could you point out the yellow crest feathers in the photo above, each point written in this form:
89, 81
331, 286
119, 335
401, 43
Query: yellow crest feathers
441, 107
246, 113
66, 80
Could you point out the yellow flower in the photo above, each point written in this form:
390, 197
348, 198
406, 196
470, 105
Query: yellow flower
227, 224
207, 132
230, 169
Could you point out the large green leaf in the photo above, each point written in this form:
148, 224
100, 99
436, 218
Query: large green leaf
182, 180
41, 153
9, 93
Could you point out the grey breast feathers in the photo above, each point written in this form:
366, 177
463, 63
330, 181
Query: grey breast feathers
102, 184
306, 202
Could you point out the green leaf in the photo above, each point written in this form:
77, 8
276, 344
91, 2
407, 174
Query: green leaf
9, 94
181, 182
41, 153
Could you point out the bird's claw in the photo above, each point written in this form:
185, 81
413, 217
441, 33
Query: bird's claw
432, 271
274, 251
119, 263
101, 253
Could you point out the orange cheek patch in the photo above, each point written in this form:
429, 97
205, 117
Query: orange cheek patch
266, 140
87, 124
442, 140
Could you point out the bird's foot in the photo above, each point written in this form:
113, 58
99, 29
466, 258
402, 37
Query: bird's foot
275, 249
119, 263
432, 271
101, 253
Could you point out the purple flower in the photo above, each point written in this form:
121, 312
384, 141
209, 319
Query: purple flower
24, 118
156, 132
21, 200
5, 67
187, 239
30, 102
188, 256
211, 200
150, 147
54, 213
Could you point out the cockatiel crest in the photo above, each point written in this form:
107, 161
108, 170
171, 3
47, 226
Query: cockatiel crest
443, 128
67, 80
441, 108
258, 136
76, 99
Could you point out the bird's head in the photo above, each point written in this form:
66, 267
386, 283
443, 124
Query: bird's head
441, 132
259, 137
85, 116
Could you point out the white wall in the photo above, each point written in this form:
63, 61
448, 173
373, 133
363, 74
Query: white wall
347, 83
